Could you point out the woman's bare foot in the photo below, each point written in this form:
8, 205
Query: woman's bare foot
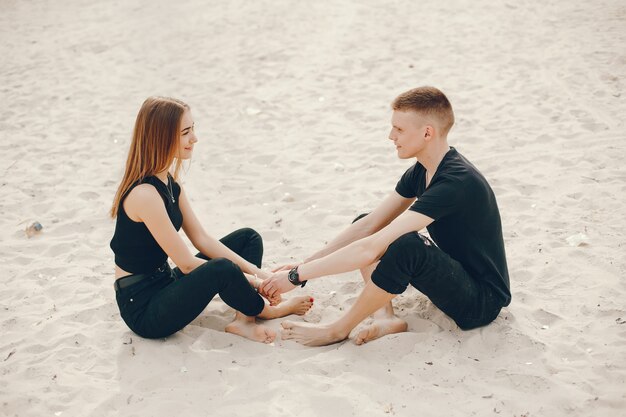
379, 328
295, 305
246, 327
311, 335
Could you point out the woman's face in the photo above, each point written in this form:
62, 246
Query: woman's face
187, 136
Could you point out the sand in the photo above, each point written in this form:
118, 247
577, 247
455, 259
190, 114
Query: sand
291, 103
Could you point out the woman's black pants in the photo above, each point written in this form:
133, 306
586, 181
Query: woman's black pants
167, 300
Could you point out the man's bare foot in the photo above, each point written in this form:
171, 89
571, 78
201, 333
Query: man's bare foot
379, 328
246, 327
311, 335
295, 305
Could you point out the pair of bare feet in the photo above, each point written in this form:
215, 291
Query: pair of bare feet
247, 327
383, 323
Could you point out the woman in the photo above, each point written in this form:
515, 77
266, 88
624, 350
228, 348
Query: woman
154, 300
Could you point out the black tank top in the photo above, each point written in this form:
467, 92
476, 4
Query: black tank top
136, 251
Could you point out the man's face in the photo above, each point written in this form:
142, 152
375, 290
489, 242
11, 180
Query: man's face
408, 132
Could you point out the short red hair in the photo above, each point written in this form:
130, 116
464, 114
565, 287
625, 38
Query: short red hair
428, 101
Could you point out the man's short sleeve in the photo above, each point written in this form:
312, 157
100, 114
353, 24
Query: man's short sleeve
406, 186
440, 199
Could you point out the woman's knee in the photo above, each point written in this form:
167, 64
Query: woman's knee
215, 276
218, 268
250, 234
222, 266
252, 249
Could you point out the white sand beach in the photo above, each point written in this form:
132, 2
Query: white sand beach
291, 104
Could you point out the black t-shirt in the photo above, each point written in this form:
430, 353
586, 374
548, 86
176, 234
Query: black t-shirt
467, 222
136, 250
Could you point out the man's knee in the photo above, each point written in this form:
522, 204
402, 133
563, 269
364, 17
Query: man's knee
400, 264
406, 247
393, 273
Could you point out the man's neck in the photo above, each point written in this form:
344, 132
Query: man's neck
433, 155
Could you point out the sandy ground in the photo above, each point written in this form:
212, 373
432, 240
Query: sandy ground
291, 103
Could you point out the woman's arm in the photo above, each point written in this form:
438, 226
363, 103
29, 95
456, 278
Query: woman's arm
207, 244
144, 204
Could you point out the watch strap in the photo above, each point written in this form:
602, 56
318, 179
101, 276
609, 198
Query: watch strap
294, 277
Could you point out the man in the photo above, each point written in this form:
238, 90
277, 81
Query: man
464, 274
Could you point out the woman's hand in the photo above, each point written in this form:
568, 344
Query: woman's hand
256, 282
274, 301
253, 280
277, 284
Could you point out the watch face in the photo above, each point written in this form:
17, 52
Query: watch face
293, 277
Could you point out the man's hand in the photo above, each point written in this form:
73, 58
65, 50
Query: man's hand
277, 284
287, 267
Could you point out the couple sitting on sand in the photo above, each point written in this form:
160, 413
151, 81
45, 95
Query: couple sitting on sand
461, 267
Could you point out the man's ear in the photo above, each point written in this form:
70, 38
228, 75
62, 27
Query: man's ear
429, 132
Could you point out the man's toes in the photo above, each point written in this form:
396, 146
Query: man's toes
287, 324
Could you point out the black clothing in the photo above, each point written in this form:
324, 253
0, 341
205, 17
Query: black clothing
467, 223
414, 259
166, 300
135, 249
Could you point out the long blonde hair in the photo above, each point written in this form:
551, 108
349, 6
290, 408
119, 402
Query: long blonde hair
154, 145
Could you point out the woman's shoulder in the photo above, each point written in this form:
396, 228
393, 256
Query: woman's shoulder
144, 190
143, 198
144, 193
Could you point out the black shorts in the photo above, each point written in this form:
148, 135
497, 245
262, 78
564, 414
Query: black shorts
415, 259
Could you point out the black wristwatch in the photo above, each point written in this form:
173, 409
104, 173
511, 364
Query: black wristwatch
294, 277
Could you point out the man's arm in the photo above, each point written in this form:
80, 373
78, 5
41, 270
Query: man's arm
390, 208
356, 255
